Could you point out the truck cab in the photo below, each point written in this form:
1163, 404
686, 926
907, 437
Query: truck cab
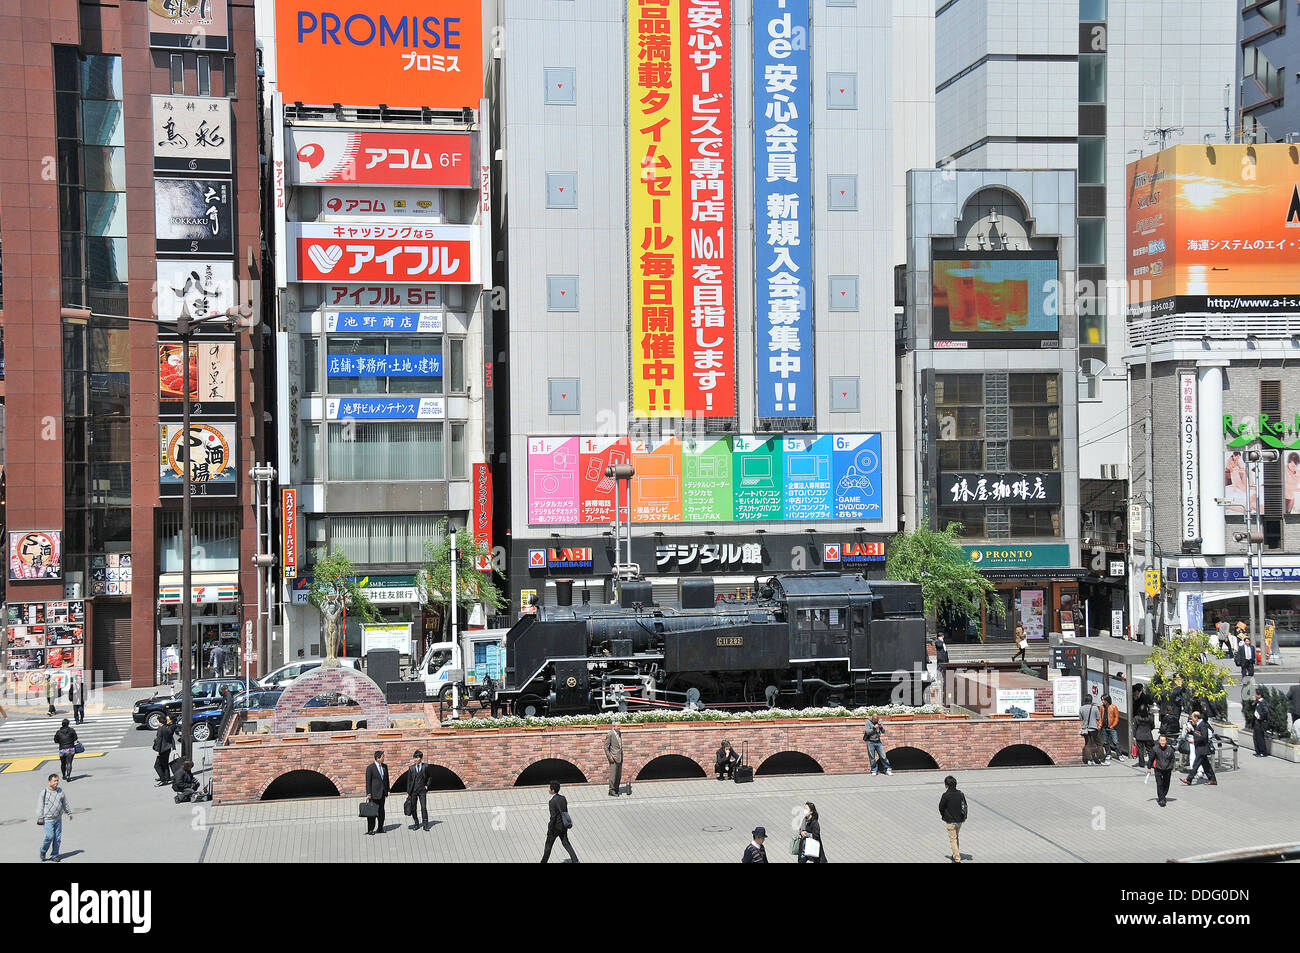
482, 657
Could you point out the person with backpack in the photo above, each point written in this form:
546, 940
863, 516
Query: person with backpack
559, 825
1201, 738
952, 808
875, 747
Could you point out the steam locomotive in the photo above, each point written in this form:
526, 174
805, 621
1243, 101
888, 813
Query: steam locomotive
816, 639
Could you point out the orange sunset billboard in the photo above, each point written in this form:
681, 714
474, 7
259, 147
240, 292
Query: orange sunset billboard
401, 53
1214, 229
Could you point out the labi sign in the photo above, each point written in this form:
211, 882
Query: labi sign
1262, 428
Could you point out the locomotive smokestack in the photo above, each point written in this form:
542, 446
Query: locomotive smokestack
564, 592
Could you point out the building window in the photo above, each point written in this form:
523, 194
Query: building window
1092, 78
959, 404
1092, 322
456, 365
1092, 241
370, 540
228, 76
310, 365
457, 468
1092, 160
1256, 65
386, 450
205, 76
215, 535
378, 364
309, 456
178, 74
1092, 11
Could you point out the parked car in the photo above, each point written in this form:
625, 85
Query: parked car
284, 676
206, 692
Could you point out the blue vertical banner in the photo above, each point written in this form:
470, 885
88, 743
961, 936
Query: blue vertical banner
783, 209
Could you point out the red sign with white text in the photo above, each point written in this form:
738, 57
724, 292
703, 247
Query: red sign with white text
394, 254
339, 157
289, 532
483, 514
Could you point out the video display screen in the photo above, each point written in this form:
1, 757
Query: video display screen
1011, 300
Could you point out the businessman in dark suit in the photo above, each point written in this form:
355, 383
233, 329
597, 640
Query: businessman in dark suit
417, 787
555, 827
377, 788
1246, 658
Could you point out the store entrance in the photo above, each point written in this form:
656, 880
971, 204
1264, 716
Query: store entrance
212, 625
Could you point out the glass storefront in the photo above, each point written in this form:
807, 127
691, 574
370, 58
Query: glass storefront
216, 623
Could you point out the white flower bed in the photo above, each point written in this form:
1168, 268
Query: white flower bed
708, 714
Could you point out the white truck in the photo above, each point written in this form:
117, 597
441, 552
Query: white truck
483, 656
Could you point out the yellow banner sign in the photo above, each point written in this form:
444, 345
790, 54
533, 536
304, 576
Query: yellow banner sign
1153, 582
657, 183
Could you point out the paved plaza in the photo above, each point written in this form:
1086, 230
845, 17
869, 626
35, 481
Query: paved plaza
1017, 815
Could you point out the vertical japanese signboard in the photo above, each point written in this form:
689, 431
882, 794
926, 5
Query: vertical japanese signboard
483, 516
289, 531
783, 210
1189, 463
679, 69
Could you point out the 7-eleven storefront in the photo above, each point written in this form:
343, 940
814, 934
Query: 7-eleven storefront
216, 613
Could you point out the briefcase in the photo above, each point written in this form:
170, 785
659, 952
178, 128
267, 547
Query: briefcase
408, 806
743, 772
368, 808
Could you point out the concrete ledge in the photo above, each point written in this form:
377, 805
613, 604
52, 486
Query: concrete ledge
495, 758
1286, 750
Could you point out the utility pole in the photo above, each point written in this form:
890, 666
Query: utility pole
1255, 460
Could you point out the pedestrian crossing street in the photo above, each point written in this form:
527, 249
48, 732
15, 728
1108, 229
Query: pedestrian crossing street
34, 737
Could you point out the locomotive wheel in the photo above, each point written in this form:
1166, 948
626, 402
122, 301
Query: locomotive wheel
530, 706
827, 698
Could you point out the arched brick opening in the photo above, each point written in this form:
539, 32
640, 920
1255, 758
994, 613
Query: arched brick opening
1021, 756
670, 767
438, 779
298, 784
323, 681
906, 758
789, 762
548, 770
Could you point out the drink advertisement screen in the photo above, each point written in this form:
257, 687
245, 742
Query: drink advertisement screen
403, 53
1214, 229
1007, 301
339, 157
707, 480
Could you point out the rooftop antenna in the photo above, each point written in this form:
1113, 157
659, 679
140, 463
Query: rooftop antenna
1161, 134
1227, 112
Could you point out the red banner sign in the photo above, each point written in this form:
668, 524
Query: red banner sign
339, 157
398, 254
483, 514
289, 532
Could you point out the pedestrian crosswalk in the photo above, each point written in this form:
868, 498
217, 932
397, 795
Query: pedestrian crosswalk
34, 737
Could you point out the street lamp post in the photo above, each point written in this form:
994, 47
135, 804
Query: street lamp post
185, 325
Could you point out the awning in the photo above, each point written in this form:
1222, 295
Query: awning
205, 587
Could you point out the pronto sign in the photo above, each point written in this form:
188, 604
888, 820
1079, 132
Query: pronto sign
403, 53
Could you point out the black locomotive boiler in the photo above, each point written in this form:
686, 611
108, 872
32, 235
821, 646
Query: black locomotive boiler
817, 639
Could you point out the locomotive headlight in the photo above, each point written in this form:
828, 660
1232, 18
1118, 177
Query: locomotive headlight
572, 682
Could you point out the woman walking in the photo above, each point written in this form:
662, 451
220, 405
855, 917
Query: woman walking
1022, 645
66, 740
1144, 736
811, 850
